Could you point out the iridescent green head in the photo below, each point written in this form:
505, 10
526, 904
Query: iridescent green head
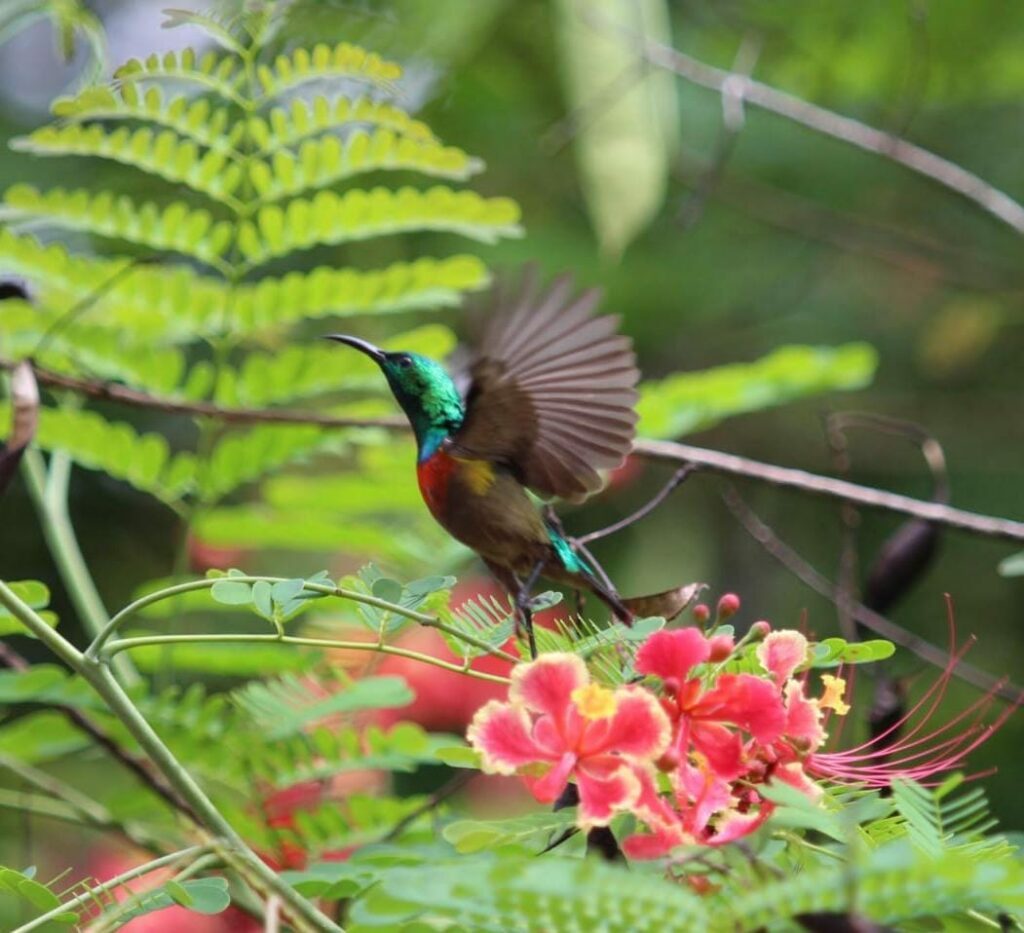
422, 387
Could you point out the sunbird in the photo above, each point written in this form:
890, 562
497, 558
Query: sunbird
544, 401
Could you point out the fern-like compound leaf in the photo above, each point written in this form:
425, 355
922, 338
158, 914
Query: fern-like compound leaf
325, 161
164, 154
287, 125
329, 218
221, 74
194, 118
175, 227
322, 62
142, 460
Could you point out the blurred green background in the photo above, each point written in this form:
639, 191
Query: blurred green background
791, 237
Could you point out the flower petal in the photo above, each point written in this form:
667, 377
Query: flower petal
781, 653
546, 684
750, 702
803, 717
548, 789
733, 825
638, 728
606, 785
705, 793
672, 654
721, 747
501, 733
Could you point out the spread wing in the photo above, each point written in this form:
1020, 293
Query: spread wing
552, 389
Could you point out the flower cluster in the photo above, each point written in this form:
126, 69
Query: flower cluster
689, 747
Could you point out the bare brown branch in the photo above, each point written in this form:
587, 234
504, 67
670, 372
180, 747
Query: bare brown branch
803, 571
699, 457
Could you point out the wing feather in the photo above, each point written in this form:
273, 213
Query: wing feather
552, 388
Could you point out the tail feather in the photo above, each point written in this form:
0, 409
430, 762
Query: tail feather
667, 604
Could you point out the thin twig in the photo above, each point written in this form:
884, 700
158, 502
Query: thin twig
678, 478
911, 156
450, 787
115, 392
718, 462
713, 460
808, 575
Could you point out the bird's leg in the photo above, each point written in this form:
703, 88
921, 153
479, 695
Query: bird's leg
523, 605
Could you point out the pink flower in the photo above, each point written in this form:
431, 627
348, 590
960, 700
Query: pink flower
572, 729
703, 717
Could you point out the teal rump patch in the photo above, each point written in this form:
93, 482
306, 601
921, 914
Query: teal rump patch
569, 558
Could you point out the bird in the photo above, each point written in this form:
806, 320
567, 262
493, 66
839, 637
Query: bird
544, 401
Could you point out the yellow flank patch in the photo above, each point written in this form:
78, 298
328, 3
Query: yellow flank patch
594, 701
478, 475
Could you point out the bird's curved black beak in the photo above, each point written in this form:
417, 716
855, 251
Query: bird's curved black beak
374, 353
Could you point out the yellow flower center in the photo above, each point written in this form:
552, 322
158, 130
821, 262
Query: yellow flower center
594, 701
832, 698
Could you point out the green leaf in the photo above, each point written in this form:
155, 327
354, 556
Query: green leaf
192, 118
36, 596
459, 756
344, 61
231, 593
629, 126
286, 126
175, 227
285, 707
199, 895
550, 893
330, 218
21, 885
832, 652
164, 154
220, 74
688, 402
536, 829
320, 163
1012, 566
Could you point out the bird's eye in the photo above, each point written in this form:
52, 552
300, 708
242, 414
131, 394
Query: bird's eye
405, 361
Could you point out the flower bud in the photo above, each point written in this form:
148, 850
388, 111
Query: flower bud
701, 613
760, 629
728, 606
721, 647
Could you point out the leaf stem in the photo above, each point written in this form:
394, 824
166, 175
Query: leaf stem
94, 650
49, 493
120, 705
126, 644
111, 885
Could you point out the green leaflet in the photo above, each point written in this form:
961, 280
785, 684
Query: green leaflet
329, 219
34, 594
323, 62
547, 893
286, 706
199, 895
299, 119
24, 886
176, 227
142, 460
1013, 566
629, 132
195, 119
318, 163
163, 153
689, 402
